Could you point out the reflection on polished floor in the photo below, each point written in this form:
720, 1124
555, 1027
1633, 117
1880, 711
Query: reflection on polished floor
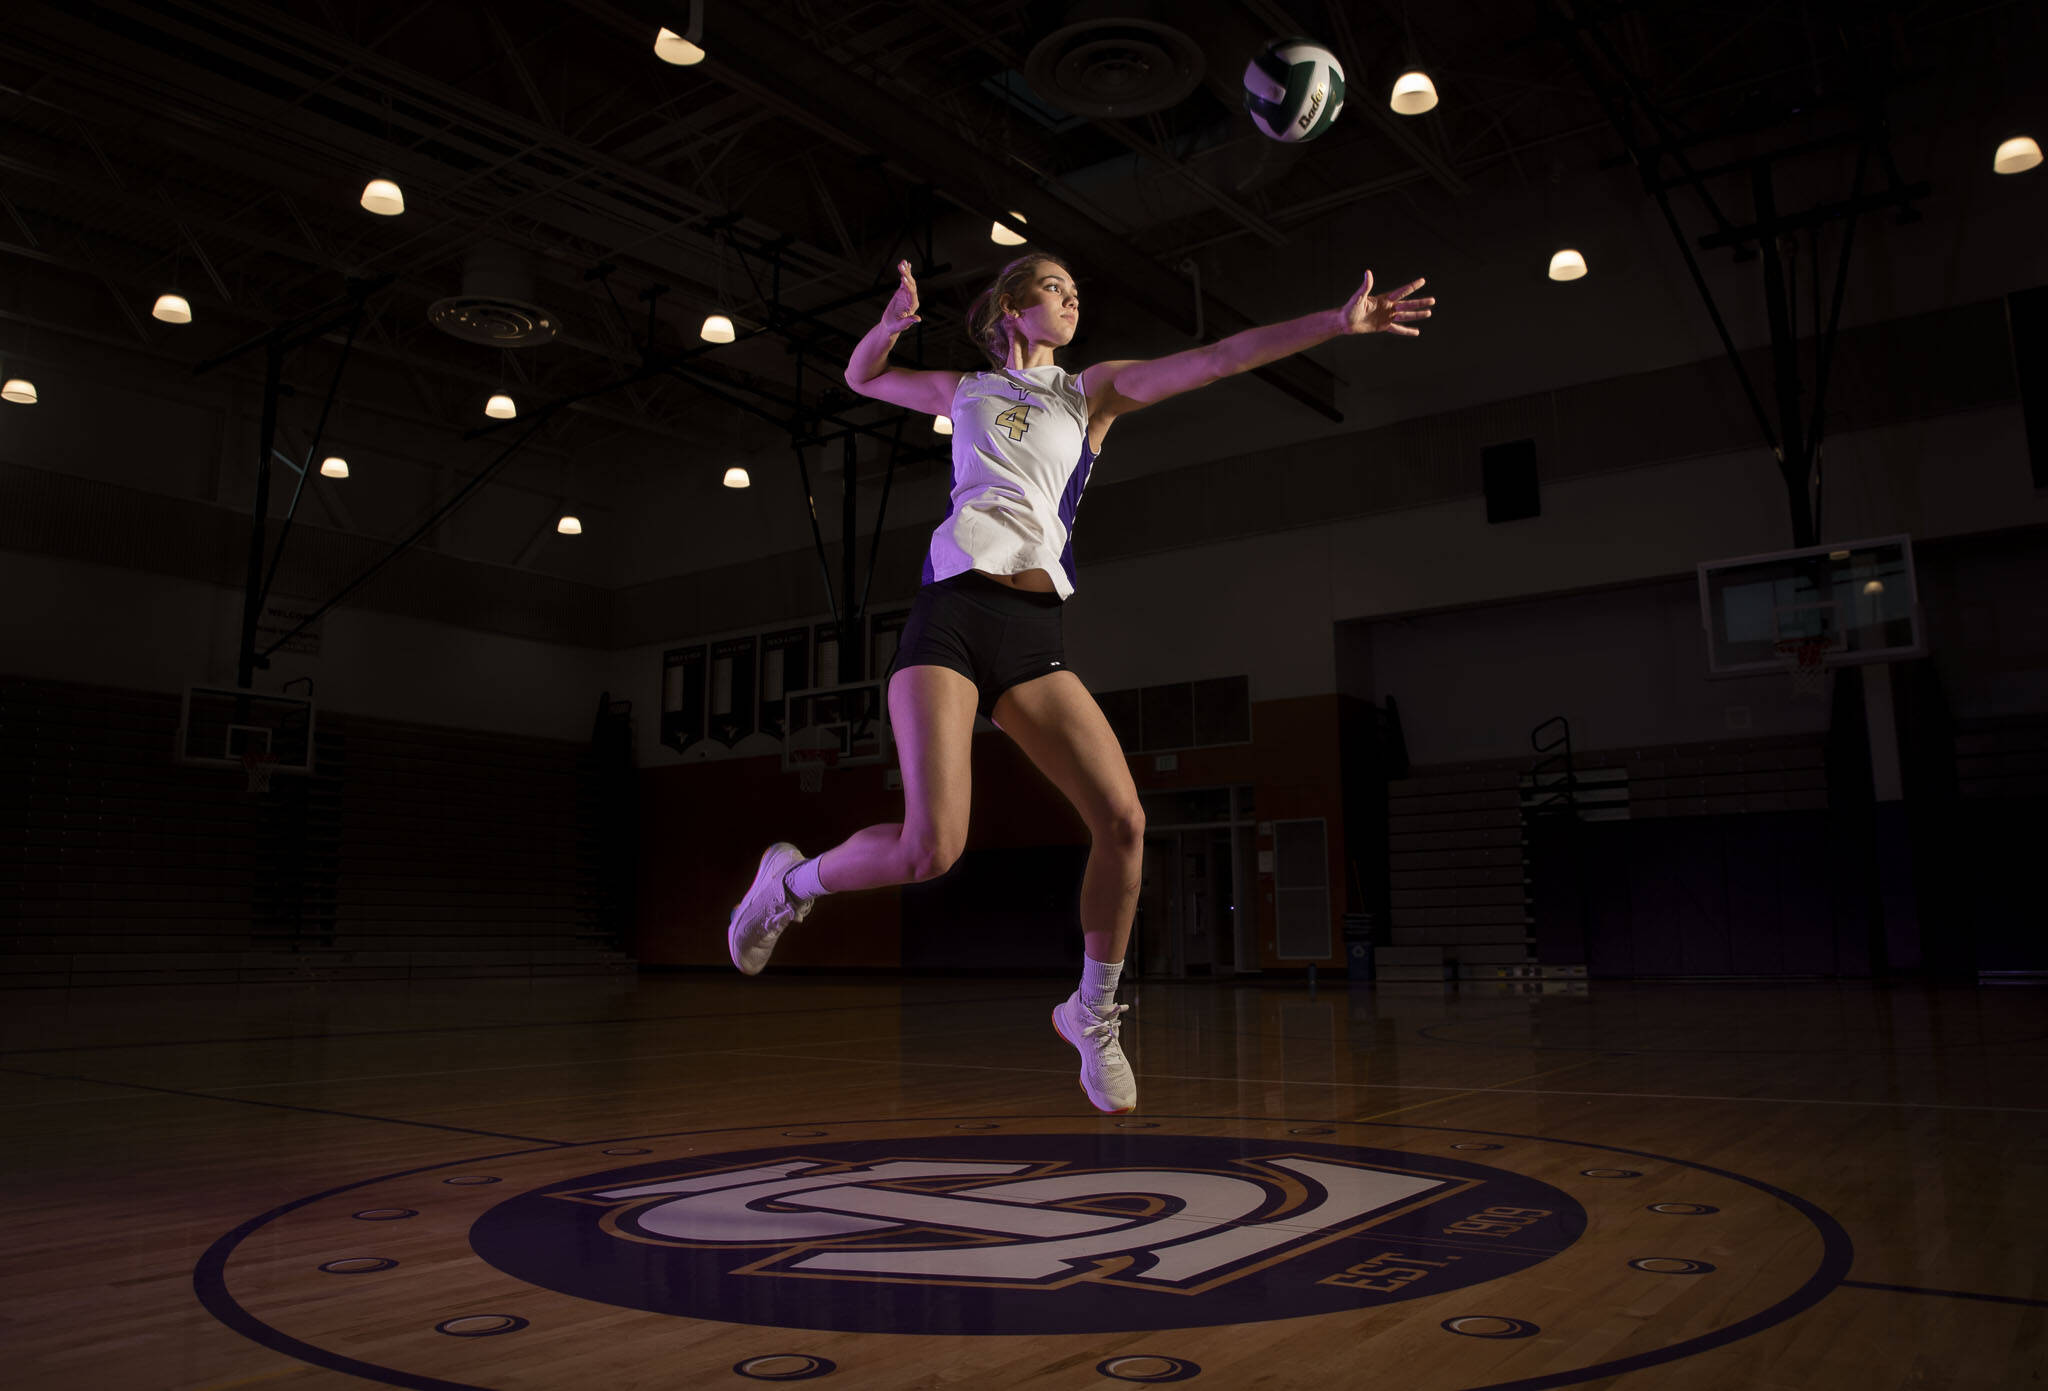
699, 1180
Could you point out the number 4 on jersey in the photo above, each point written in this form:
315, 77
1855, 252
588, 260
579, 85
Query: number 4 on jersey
1017, 419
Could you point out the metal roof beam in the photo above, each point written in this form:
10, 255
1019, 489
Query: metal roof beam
780, 70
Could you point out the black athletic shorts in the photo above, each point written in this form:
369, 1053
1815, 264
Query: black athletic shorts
995, 636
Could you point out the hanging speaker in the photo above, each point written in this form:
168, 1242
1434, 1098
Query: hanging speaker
2026, 314
1508, 473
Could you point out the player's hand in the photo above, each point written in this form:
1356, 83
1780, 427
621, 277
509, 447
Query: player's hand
1366, 312
901, 312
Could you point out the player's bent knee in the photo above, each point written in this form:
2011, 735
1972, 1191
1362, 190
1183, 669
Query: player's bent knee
928, 859
1123, 830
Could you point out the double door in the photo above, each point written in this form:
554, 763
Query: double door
1196, 912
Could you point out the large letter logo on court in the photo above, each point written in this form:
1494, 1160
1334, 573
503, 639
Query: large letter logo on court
951, 1220
1027, 1233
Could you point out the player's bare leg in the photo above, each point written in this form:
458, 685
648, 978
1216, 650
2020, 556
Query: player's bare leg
931, 711
1062, 730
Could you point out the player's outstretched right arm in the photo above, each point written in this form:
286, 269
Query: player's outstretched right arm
868, 370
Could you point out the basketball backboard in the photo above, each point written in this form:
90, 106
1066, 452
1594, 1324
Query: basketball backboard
848, 721
223, 727
1858, 601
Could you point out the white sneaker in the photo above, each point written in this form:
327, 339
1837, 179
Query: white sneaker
1105, 1075
766, 910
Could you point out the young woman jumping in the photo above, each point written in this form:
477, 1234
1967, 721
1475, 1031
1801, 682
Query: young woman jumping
984, 633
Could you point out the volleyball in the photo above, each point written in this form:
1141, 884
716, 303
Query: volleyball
1294, 89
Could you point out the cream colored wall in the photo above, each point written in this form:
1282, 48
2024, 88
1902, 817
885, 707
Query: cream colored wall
1266, 605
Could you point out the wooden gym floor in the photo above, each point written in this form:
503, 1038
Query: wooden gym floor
703, 1180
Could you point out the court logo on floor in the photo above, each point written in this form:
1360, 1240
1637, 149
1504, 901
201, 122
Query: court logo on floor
1025, 1232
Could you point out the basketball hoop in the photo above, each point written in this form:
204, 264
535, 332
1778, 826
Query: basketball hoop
259, 767
811, 766
1807, 658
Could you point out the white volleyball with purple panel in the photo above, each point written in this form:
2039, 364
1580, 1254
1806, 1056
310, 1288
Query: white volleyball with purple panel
1294, 89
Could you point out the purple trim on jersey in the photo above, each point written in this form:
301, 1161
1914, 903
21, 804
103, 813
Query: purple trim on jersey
1070, 503
927, 566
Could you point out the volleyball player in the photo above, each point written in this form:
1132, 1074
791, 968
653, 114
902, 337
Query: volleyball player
984, 633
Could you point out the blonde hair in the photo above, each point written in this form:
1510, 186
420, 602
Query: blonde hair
985, 316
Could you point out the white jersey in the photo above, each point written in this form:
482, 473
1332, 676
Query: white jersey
1020, 461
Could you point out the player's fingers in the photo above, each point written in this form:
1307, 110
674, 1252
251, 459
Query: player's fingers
1367, 290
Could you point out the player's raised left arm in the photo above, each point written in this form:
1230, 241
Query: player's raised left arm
1126, 385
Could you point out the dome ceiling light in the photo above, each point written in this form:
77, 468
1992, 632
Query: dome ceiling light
1567, 265
383, 197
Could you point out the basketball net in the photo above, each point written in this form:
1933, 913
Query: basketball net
259, 767
812, 763
1807, 658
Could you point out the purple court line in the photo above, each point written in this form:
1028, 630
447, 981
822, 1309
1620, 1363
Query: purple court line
282, 1106
487, 1028
1429, 1033
1947, 1294
354, 1078
1406, 1086
209, 1285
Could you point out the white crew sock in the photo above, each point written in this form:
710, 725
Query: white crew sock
803, 881
1098, 982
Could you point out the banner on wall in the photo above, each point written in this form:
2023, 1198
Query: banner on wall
728, 689
885, 633
825, 654
731, 703
682, 696
280, 616
785, 667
